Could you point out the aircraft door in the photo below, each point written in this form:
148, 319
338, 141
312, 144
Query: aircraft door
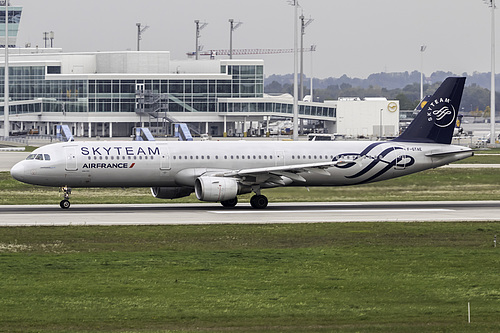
279, 157
164, 157
71, 164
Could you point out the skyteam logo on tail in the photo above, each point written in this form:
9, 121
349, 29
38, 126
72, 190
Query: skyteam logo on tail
442, 112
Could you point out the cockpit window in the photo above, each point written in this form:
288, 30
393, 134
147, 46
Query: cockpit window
39, 157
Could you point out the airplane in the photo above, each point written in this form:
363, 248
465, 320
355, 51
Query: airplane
219, 171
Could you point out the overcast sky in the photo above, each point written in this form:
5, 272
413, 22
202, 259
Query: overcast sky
353, 37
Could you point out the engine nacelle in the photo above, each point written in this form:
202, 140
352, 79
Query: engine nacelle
171, 192
215, 189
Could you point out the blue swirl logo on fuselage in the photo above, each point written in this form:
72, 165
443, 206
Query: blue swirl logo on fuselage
388, 158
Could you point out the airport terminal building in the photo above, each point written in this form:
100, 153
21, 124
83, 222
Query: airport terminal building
110, 93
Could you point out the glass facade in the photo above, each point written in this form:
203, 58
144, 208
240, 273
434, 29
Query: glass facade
121, 95
30, 83
14, 20
277, 107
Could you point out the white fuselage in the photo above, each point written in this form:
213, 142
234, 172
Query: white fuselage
171, 164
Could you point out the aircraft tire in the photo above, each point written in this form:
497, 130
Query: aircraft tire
229, 203
259, 201
64, 204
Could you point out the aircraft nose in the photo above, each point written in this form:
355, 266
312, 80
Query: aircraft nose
17, 171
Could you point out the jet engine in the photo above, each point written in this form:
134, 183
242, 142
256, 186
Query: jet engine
171, 192
216, 188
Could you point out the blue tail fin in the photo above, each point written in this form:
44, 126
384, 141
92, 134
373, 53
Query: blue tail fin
436, 121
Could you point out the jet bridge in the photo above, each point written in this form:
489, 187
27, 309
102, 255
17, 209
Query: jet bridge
182, 132
63, 132
143, 134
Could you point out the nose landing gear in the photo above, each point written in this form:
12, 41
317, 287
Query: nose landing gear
65, 202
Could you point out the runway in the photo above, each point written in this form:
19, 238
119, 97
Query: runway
198, 214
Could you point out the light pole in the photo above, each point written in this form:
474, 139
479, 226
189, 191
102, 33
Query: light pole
6, 124
295, 4
140, 31
491, 3
422, 50
198, 28
381, 110
51, 37
232, 28
313, 47
303, 25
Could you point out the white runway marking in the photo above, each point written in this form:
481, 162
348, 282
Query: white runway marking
333, 211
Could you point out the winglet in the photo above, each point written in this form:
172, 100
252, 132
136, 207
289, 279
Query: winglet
436, 121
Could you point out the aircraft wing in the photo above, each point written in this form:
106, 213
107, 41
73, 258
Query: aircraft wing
276, 174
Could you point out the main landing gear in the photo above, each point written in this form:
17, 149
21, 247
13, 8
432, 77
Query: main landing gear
65, 202
258, 201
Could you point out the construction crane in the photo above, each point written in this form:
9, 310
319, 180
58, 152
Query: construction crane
214, 53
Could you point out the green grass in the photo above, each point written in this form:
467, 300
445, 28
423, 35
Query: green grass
437, 184
339, 277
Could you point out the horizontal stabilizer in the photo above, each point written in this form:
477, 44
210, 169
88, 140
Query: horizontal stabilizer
447, 153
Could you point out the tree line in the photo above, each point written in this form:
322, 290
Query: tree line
404, 87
